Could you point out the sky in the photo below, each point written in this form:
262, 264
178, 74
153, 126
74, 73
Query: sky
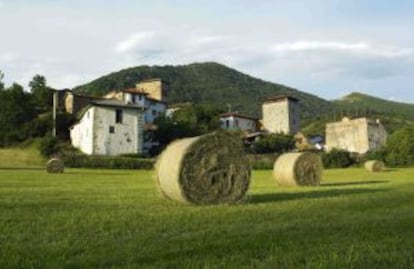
329, 48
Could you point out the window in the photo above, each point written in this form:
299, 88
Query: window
118, 116
236, 123
111, 129
227, 123
154, 112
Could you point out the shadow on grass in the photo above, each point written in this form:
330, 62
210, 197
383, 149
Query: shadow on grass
353, 183
278, 197
97, 173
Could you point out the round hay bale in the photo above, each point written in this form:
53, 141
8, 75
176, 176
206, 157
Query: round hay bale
54, 166
374, 166
208, 169
298, 169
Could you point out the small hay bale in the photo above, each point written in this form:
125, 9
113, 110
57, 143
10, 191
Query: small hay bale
374, 166
208, 169
298, 169
54, 166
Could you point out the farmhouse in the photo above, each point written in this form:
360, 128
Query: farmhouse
109, 127
355, 135
115, 123
232, 121
281, 115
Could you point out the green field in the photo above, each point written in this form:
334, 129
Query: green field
116, 219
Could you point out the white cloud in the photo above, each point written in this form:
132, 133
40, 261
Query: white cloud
133, 41
363, 48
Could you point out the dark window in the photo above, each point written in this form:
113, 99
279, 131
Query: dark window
154, 112
237, 123
118, 118
227, 123
111, 129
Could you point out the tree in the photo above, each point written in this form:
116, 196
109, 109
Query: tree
274, 143
41, 94
400, 147
17, 112
1, 81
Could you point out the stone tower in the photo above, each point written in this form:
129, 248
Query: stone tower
281, 115
156, 88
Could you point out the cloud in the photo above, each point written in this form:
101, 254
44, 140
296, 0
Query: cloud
8, 57
133, 41
363, 48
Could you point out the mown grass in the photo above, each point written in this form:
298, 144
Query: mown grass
25, 155
116, 219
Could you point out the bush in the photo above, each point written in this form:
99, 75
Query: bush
400, 147
337, 158
274, 143
262, 161
77, 160
49, 145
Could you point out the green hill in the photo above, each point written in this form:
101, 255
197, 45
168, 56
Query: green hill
375, 105
214, 83
207, 83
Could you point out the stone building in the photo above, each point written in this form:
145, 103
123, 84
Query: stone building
109, 127
156, 88
281, 114
355, 135
234, 121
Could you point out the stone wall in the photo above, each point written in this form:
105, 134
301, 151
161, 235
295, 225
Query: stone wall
156, 88
281, 116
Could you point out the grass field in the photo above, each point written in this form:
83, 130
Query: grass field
116, 219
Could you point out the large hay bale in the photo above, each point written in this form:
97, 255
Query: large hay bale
298, 169
374, 166
208, 169
54, 166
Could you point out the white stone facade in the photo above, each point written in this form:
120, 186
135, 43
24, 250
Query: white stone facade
233, 121
357, 135
109, 130
281, 115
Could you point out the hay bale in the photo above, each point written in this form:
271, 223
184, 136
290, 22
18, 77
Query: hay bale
208, 169
374, 166
298, 169
54, 166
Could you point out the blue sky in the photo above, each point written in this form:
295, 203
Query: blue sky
325, 47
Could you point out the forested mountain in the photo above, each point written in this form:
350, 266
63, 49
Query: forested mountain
207, 83
217, 84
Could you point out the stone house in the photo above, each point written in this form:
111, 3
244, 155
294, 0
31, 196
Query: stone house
233, 121
281, 114
355, 135
109, 127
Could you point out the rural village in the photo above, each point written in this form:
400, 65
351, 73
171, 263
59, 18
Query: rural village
206, 134
114, 124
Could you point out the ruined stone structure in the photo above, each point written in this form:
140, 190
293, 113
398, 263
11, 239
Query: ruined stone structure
355, 135
156, 88
281, 115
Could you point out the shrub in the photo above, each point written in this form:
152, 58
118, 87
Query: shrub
337, 158
77, 160
262, 161
49, 145
273, 143
400, 147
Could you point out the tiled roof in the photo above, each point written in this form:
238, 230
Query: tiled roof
237, 115
280, 98
115, 103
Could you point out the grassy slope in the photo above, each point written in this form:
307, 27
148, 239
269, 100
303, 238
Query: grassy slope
116, 219
25, 155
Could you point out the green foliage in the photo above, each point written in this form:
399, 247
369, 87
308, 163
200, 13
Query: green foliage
74, 159
49, 145
400, 147
262, 161
42, 96
1, 80
187, 122
273, 143
16, 112
207, 83
337, 158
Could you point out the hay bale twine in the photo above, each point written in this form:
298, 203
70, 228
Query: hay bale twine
54, 166
298, 169
208, 169
374, 166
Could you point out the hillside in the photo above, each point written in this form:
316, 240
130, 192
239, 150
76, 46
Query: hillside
376, 105
393, 115
207, 83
